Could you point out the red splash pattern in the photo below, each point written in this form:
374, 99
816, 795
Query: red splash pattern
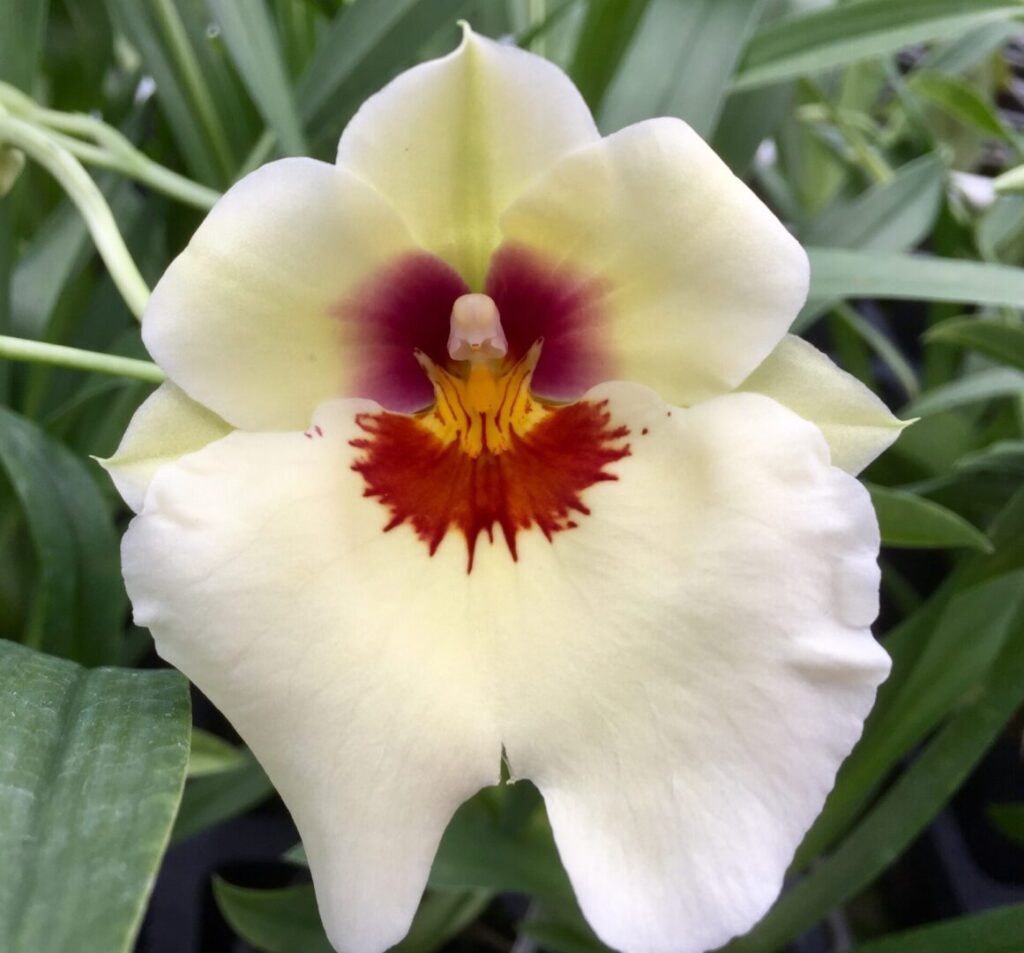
407, 306
540, 481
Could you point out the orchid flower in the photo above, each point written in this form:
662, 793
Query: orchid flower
487, 441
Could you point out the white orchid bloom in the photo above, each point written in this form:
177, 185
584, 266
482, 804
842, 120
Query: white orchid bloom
489, 437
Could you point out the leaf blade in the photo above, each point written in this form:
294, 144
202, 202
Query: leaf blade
608, 29
995, 339
81, 597
252, 43
836, 36
912, 521
90, 777
901, 813
993, 931
680, 63
843, 273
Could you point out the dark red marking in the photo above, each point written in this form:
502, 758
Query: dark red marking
403, 307
541, 298
644, 432
436, 487
319, 432
407, 306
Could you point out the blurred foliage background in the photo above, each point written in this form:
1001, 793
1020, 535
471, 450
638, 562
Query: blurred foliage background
886, 133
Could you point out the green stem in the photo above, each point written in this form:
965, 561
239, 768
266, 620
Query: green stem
117, 153
57, 355
109, 149
81, 189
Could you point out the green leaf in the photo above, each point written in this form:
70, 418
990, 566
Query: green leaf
836, 36
902, 813
173, 69
1000, 230
994, 338
498, 841
959, 99
747, 120
940, 654
993, 931
441, 916
894, 215
213, 798
364, 46
912, 521
882, 345
958, 654
21, 39
252, 42
535, 37
982, 385
556, 936
479, 852
91, 771
605, 35
287, 921
80, 603
681, 62
209, 754
1002, 456
1009, 818
838, 273
964, 52
1006, 532
58, 251
273, 921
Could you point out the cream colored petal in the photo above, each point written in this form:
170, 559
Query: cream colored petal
167, 425
857, 425
700, 280
684, 672
248, 319
681, 671
265, 577
453, 141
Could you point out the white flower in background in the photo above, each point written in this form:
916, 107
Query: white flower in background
489, 437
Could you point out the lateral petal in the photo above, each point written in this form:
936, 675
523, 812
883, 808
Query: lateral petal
252, 318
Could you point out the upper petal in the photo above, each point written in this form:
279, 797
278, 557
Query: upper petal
856, 423
452, 142
251, 319
699, 279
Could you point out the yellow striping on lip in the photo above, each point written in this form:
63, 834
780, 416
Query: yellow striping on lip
486, 406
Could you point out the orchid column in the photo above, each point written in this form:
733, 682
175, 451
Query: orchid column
488, 438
